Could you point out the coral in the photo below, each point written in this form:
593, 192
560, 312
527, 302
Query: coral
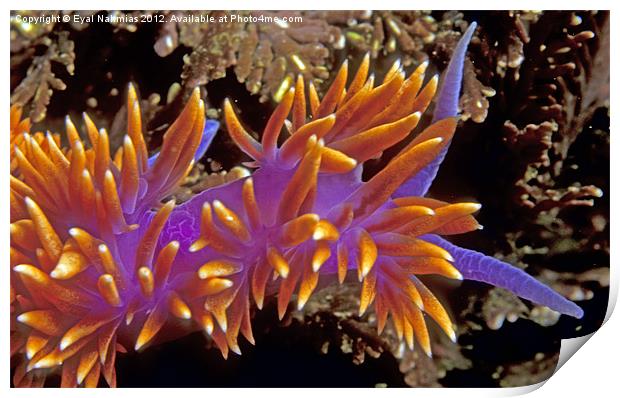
26, 34
199, 180
500, 306
266, 56
99, 263
384, 32
40, 81
553, 74
541, 93
474, 103
539, 369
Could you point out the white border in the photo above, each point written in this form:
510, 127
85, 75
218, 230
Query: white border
593, 371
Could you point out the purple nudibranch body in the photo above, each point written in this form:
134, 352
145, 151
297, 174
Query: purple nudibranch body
473, 265
100, 263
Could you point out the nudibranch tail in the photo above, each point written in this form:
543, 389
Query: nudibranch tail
478, 267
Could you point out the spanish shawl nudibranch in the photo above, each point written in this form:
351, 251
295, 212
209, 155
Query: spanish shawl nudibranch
95, 268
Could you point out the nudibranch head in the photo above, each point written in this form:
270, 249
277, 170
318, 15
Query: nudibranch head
100, 263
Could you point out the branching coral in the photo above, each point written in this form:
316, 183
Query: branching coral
40, 81
407, 33
100, 264
547, 90
266, 56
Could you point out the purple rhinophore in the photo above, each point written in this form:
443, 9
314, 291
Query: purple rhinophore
446, 105
211, 127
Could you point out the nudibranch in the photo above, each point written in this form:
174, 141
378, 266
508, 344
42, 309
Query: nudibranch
100, 264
